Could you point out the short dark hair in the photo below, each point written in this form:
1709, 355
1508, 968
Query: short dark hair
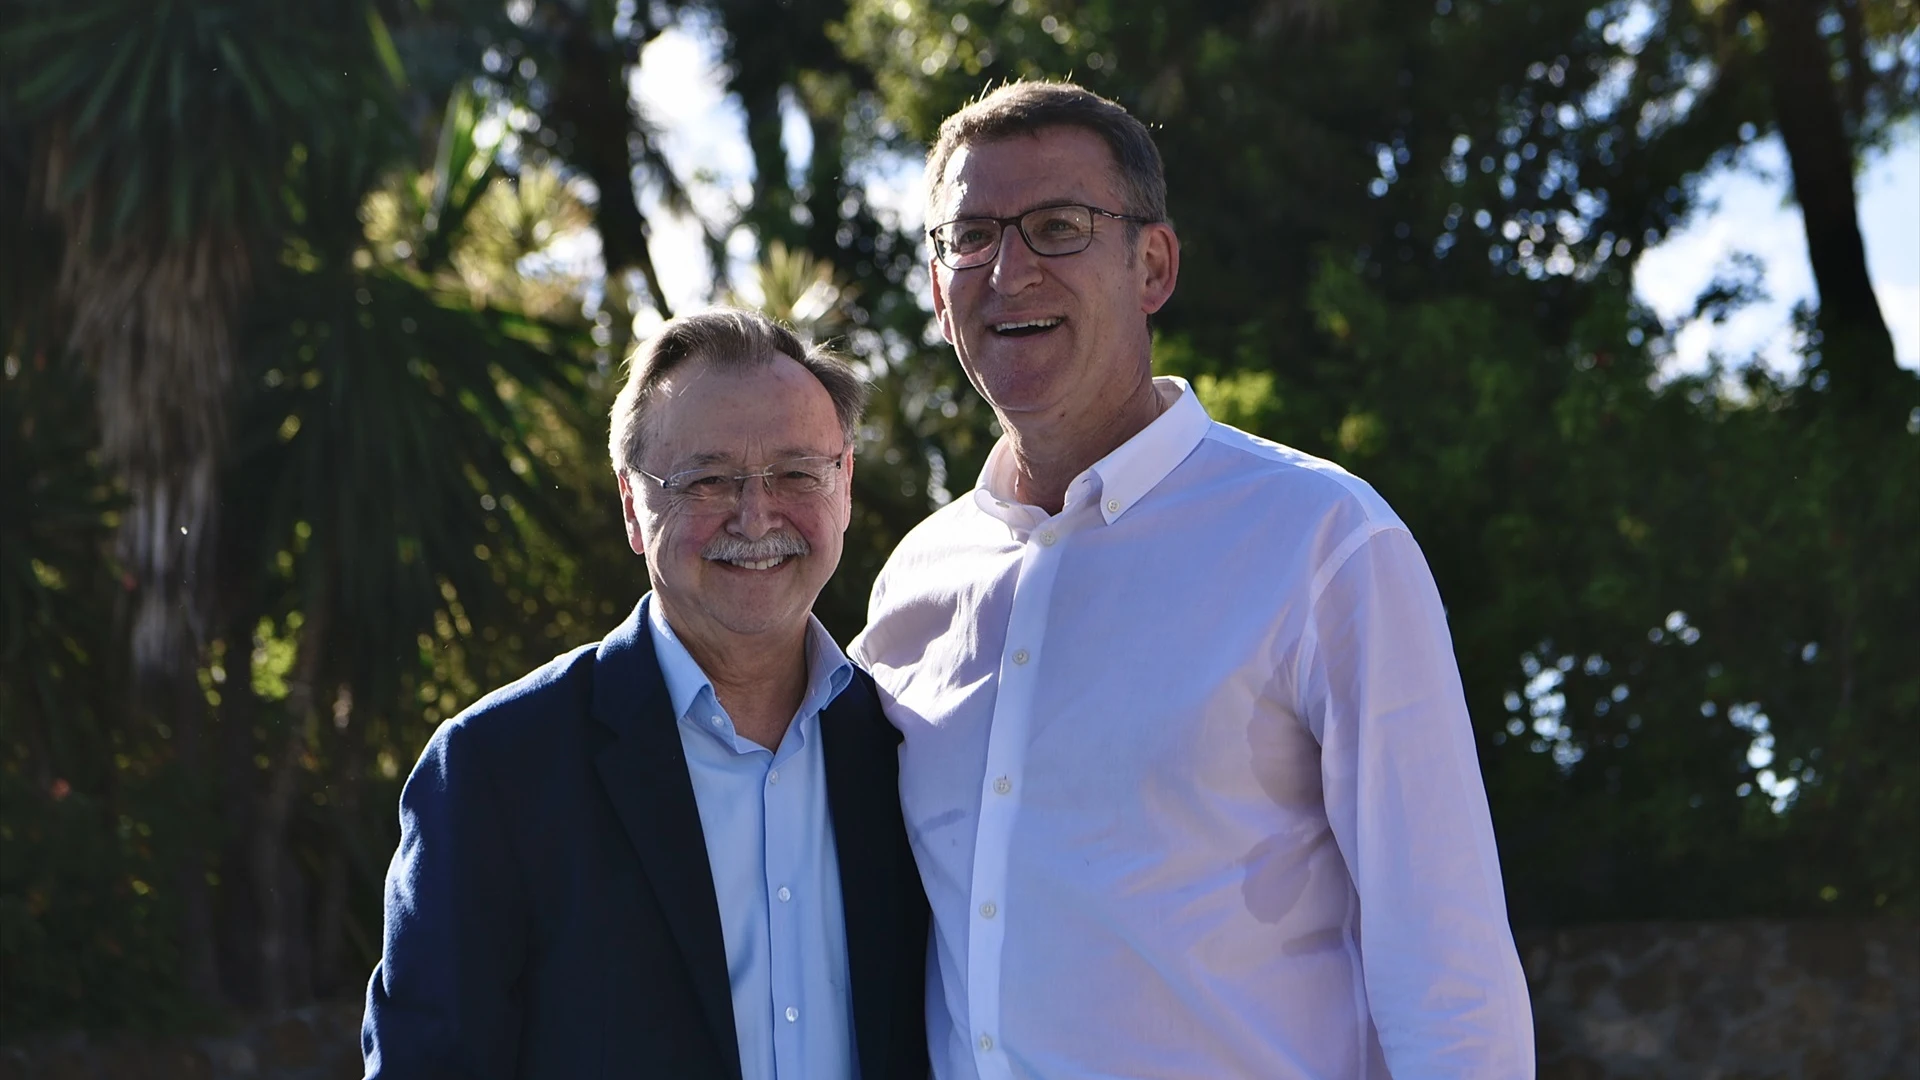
725, 338
1028, 108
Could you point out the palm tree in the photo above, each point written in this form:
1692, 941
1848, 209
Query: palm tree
164, 132
407, 437
344, 405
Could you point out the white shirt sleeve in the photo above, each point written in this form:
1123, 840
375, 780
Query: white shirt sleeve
1377, 684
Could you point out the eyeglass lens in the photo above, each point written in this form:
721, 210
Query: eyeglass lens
1050, 230
793, 480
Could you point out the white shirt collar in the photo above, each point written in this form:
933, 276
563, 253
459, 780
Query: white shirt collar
1123, 477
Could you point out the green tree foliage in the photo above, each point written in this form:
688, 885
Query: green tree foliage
1682, 607
1408, 231
400, 475
82, 929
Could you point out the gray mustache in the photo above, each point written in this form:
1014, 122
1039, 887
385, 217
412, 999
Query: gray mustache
771, 546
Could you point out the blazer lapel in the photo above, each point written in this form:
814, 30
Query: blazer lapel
644, 769
862, 795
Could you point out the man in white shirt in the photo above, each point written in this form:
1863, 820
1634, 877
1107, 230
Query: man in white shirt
1187, 766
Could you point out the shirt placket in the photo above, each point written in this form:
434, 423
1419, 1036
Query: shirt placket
1003, 785
784, 817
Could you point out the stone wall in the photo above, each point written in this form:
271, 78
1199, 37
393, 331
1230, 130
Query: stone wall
1699, 1001
1727, 1001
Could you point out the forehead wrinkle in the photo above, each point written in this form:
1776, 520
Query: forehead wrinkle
795, 450
1075, 194
733, 432
784, 453
952, 186
1043, 204
660, 395
700, 459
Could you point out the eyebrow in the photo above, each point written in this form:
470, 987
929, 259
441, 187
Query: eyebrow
1044, 204
715, 457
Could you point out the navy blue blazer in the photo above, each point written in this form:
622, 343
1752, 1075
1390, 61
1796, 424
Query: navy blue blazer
550, 911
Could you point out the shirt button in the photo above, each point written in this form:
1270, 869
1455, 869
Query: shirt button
987, 910
714, 720
785, 894
1113, 506
792, 1014
1047, 538
1020, 656
1002, 785
986, 1042
773, 777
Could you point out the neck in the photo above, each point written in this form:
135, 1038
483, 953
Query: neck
759, 679
1049, 451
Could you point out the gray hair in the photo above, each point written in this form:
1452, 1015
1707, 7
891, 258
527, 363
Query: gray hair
726, 338
1028, 108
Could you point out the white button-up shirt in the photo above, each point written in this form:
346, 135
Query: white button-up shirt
1189, 777
776, 871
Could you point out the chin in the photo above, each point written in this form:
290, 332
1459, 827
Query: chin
767, 616
1003, 384
1020, 387
1019, 399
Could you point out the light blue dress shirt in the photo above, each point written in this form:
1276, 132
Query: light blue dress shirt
776, 873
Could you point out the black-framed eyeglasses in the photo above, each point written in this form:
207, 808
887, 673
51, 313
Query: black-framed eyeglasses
715, 489
1067, 229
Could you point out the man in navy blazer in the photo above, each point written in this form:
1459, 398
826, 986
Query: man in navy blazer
677, 852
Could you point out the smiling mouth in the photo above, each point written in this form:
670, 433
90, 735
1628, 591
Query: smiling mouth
1026, 327
754, 564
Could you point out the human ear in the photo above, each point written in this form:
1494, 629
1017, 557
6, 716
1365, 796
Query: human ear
1159, 262
941, 313
845, 494
630, 514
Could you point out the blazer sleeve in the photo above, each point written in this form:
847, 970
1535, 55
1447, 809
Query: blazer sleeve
443, 1001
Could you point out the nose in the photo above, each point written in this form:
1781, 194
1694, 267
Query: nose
1015, 266
754, 514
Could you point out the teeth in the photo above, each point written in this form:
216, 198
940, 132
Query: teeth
1043, 323
761, 564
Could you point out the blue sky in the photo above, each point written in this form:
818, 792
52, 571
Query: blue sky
1745, 209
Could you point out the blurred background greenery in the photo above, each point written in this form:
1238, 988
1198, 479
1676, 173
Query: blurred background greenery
302, 417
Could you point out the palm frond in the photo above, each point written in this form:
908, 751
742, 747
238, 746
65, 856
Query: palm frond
393, 430
160, 169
